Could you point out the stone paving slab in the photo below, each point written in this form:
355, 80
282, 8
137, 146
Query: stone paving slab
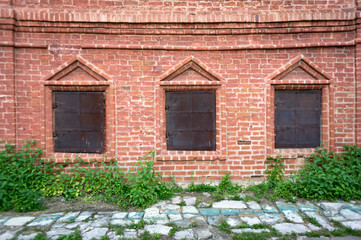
229, 204
194, 223
229, 212
306, 207
288, 228
18, 221
207, 212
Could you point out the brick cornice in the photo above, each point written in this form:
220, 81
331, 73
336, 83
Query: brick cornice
116, 16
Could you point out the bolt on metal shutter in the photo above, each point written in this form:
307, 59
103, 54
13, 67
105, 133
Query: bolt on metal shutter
79, 122
190, 119
297, 118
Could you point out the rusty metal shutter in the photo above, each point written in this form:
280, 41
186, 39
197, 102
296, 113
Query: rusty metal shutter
190, 119
297, 118
79, 122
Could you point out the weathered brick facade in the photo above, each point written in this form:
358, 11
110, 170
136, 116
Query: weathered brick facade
135, 51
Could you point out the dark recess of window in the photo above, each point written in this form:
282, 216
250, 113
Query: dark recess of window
297, 118
191, 120
79, 122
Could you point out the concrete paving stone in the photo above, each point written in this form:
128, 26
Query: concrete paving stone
338, 218
313, 227
171, 207
288, 228
135, 215
190, 201
4, 219
96, 233
242, 230
130, 233
182, 223
269, 209
328, 214
270, 218
175, 217
58, 232
330, 207
346, 238
185, 234
122, 222
351, 215
233, 222
214, 220
292, 216
156, 218
151, 210
113, 236
58, 225
203, 234
190, 210
282, 206
100, 222
158, 228
45, 219
69, 216
7, 235
250, 212
106, 213
253, 205
351, 206
251, 220
204, 205
229, 204
229, 212
199, 219
41, 222
207, 212
72, 225
52, 215
312, 238
83, 216
170, 212
356, 225
119, 215
18, 221
321, 220
176, 200
306, 207
27, 237
189, 216
85, 226
160, 204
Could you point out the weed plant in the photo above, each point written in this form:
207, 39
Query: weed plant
325, 175
22, 175
25, 179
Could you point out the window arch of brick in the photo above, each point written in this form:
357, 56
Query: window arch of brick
188, 76
300, 74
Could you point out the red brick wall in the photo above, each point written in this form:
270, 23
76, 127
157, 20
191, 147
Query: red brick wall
236, 56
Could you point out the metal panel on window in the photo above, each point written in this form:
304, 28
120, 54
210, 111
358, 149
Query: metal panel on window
297, 118
190, 119
79, 122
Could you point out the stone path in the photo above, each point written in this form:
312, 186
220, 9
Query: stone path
192, 222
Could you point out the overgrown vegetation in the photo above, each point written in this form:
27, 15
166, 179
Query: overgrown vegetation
25, 179
325, 175
22, 175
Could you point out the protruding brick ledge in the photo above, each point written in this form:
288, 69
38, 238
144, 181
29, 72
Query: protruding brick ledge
52, 15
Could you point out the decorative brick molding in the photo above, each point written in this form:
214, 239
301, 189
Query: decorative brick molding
206, 79
62, 79
314, 78
75, 63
